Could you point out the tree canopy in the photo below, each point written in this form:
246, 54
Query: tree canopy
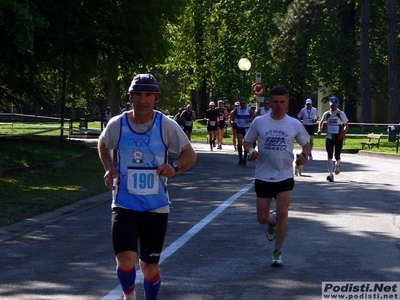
94, 48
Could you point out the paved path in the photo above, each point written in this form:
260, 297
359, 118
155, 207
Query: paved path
342, 231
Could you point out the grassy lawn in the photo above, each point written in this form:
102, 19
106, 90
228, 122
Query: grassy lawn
30, 193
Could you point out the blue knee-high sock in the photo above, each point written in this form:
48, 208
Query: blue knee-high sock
127, 279
152, 287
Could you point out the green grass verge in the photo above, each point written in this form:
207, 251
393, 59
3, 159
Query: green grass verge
30, 193
28, 151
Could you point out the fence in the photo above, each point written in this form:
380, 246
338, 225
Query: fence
13, 124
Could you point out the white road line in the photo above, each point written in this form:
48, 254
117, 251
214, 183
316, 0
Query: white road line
116, 293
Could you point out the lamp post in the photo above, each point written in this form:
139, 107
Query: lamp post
244, 65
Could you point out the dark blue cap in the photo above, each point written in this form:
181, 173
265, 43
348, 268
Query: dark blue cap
144, 83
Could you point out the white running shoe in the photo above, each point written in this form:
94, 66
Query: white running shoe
276, 259
132, 296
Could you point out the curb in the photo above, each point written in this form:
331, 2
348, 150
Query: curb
381, 155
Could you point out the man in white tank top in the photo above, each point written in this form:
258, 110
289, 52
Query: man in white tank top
138, 182
266, 109
243, 115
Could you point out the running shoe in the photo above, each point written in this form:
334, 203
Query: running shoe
132, 296
240, 163
337, 169
271, 231
243, 163
276, 259
310, 157
330, 178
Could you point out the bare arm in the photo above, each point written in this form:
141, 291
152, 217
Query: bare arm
181, 116
233, 116
345, 125
253, 153
320, 127
186, 158
253, 115
106, 157
247, 146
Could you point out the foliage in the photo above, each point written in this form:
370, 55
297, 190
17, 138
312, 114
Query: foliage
192, 46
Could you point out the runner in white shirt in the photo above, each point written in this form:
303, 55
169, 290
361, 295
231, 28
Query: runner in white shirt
276, 133
337, 126
309, 116
243, 116
266, 109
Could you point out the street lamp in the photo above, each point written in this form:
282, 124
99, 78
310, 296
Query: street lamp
244, 65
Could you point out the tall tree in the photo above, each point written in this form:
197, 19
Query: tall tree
392, 62
366, 106
349, 72
18, 22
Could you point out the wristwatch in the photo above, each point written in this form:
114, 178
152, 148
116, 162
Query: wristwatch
175, 165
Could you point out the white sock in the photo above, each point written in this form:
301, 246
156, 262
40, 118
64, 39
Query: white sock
330, 166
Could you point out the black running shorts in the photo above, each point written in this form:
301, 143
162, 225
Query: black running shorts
310, 129
221, 125
266, 189
129, 227
242, 130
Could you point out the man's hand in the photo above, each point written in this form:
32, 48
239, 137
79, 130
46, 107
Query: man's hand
166, 170
301, 159
253, 154
109, 177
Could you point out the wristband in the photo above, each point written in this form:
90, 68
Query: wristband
251, 151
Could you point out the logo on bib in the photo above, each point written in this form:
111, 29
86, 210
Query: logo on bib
137, 156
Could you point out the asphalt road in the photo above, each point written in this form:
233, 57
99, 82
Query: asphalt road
347, 230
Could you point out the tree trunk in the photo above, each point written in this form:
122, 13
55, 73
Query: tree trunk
366, 106
392, 62
349, 46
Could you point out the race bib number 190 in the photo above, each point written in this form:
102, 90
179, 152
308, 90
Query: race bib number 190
143, 181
